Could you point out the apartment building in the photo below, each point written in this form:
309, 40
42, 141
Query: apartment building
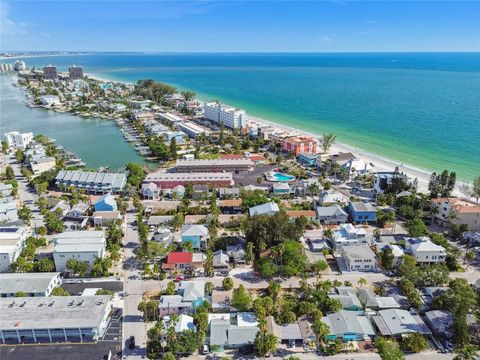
228, 116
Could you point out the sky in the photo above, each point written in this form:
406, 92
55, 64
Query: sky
240, 26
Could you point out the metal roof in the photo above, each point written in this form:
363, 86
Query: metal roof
26, 282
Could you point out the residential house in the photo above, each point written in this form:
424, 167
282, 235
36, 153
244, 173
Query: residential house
221, 300
163, 235
282, 188
384, 180
289, 334
472, 238
200, 192
183, 261
349, 235
196, 234
348, 326
190, 295
12, 242
310, 186
183, 323
330, 197
228, 192
347, 296
398, 322
359, 258
270, 208
316, 240
440, 323
361, 212
92, 182
230, 206
458, 211
371, 301
6, 189
294, 214
333, 214
307, 159
397, 253
105, 218
236, 252
8, 212
425, 251
75, 219
150, 191
220, 260
83, 246
106, 203
226, 335
154, 221
356, 167
61, 208
308, 335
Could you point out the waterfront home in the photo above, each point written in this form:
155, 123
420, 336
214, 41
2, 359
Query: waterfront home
50, 100
348, 326
230, 206
12, 242
349, 235
270, 208
341, 157
32, 284
39, 163
288, 334
356, 167
361, 212
196, 234
106, 203
472, 238
6, 189
347, 296
358, 258
398, 322
333, 214
440, 323
371, 301
171, 180
18, 140
300, 144
384, 180
84, 246
330, 197
310, 160
425, 251
226, 115
457, 211
150, 191
92, 182
293, 214
8, 212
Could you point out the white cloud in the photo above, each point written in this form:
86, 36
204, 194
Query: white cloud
325, 39
7, 26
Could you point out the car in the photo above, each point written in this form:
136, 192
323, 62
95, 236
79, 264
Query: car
131, 342
179, 278
205, 349
246, 350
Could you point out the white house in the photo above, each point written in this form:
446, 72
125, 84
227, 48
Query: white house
8, 212
49, 100
425, 251
12, 241
84, 246
397, 253
359, 258
32, 284
264, 209
333, 214
457, 211
18, 140
330, 197
40, 163
349, 235
356, 167
150, 191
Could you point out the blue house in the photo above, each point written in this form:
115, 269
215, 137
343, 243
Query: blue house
362, 212
106, 203
308, 159
348, 326
196, 234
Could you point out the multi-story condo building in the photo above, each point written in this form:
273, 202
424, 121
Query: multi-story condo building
75, 72
50, 72
18, 140
12, 242
92, 182
54, 319
84, 246
300, 144
226, 115
171, 180
457, 211
215, 165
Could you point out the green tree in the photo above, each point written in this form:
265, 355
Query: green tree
327, 141
45, 265
76, 267
136, 174
321, 331
168, 356
227, 283
249, 256
241, 299
416, 227
9, 174
20, 294
58, 291
386, 257
4, 146
475, 192
388, 349
173, 149
467, 352
208, 265
414, 342
25, 214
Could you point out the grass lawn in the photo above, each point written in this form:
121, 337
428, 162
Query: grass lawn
209, 156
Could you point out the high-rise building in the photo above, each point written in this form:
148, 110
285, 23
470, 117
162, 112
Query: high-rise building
50, 72
226, 115
75, 72
20, 65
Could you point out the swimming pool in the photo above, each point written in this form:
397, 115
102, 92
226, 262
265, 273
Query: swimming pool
277, 176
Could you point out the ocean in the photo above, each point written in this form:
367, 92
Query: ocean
420, 109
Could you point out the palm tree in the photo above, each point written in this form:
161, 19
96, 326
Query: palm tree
433, 211
362, 281
468, 352
313, 189
327, 141
321, 330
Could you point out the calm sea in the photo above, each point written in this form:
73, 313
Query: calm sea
421, 109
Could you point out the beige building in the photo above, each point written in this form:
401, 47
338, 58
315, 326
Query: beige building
458, 211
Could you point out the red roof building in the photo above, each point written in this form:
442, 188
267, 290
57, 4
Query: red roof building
176, 258
300, 144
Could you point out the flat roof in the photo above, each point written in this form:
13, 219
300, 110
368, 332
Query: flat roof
214, 162
26, 282
200, 176
53, 312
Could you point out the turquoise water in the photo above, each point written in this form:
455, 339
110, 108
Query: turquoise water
97, 142
282, 177
422, 109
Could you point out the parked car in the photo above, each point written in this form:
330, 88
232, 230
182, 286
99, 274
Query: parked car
131, 342
179, 278
205, 349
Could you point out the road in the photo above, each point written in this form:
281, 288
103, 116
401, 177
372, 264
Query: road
133, 287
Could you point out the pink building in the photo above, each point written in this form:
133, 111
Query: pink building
300, 144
